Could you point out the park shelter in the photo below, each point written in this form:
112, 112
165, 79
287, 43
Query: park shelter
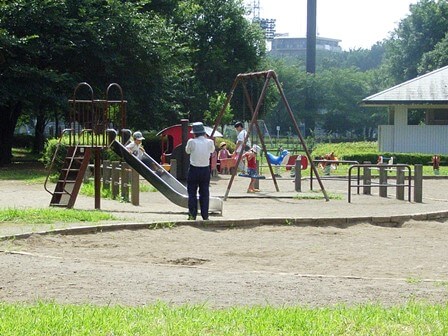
427, 94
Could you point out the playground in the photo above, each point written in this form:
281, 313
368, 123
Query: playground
269, 249
278, 247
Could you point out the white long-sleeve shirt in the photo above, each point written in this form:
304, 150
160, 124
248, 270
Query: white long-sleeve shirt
200, 149
135, 149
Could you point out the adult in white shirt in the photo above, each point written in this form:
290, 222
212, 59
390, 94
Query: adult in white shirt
198, 177
242, 133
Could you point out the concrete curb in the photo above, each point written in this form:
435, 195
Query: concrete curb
339, 222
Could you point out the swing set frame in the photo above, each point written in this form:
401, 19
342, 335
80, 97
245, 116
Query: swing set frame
268, 76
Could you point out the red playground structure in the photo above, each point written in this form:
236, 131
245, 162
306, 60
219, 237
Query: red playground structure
174, 139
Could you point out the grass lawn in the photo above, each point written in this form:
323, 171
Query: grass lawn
161, 319
51, 215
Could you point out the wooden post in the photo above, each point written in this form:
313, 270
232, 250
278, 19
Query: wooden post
298, 174
400, 183
97, 173
184, 164
418, 183
106, 174
257, 181
135, 187
367, 180
383, 181
125, 181
115, 179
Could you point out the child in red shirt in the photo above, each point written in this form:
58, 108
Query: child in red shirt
251, 159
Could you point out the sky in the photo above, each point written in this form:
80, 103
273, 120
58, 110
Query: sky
358, 23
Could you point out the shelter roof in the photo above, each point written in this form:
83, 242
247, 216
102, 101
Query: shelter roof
430, 88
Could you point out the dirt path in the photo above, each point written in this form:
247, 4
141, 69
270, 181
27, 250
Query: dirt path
277, 265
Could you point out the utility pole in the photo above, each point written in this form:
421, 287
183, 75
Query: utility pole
311, 36
310, 107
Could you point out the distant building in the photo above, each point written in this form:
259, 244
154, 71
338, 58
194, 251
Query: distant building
428, 94
296, 46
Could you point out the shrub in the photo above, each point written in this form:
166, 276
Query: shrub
230, 144
49, 151
152, 144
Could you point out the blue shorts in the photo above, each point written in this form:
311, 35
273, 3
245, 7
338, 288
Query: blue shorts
251, 172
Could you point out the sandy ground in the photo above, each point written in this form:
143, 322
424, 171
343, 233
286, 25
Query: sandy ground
275, 265
221, 267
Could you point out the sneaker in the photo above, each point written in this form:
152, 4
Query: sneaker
256, 190
250, 191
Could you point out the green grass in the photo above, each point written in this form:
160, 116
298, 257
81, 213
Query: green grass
24, 154
161, 319
51, 215
31, 172
346, 148
316, 195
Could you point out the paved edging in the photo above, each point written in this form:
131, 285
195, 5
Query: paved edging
342, 222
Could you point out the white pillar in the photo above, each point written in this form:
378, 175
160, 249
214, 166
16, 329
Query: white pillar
401, 116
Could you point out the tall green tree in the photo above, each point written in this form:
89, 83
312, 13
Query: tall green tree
85, 40
223, 43
436, 58
416, 35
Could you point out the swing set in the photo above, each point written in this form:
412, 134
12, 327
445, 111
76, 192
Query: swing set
267, 76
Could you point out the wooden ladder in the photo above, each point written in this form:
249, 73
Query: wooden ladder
71, 177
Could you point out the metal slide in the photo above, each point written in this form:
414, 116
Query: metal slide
162, 180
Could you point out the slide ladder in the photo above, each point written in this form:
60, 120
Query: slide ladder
71, 176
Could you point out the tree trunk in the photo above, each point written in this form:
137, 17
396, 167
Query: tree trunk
39, 136
9, 114
56, 125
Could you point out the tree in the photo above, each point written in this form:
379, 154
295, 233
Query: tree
216, 104
169, 57
436, 58
340, 91
25, 69
416, 35
44, 59
223, 44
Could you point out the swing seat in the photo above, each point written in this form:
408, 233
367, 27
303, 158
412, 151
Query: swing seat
292, 162
257, 177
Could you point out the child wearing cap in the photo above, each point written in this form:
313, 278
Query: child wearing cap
135, 147
251, 158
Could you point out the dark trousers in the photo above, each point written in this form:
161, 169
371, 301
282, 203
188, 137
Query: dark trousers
198, 178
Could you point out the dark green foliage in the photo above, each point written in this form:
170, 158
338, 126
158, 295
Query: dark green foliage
417, 34
51, 146
23, 141
108, 154
230, 144
168, 56
152, 144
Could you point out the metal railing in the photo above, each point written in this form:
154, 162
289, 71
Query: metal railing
383, 183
